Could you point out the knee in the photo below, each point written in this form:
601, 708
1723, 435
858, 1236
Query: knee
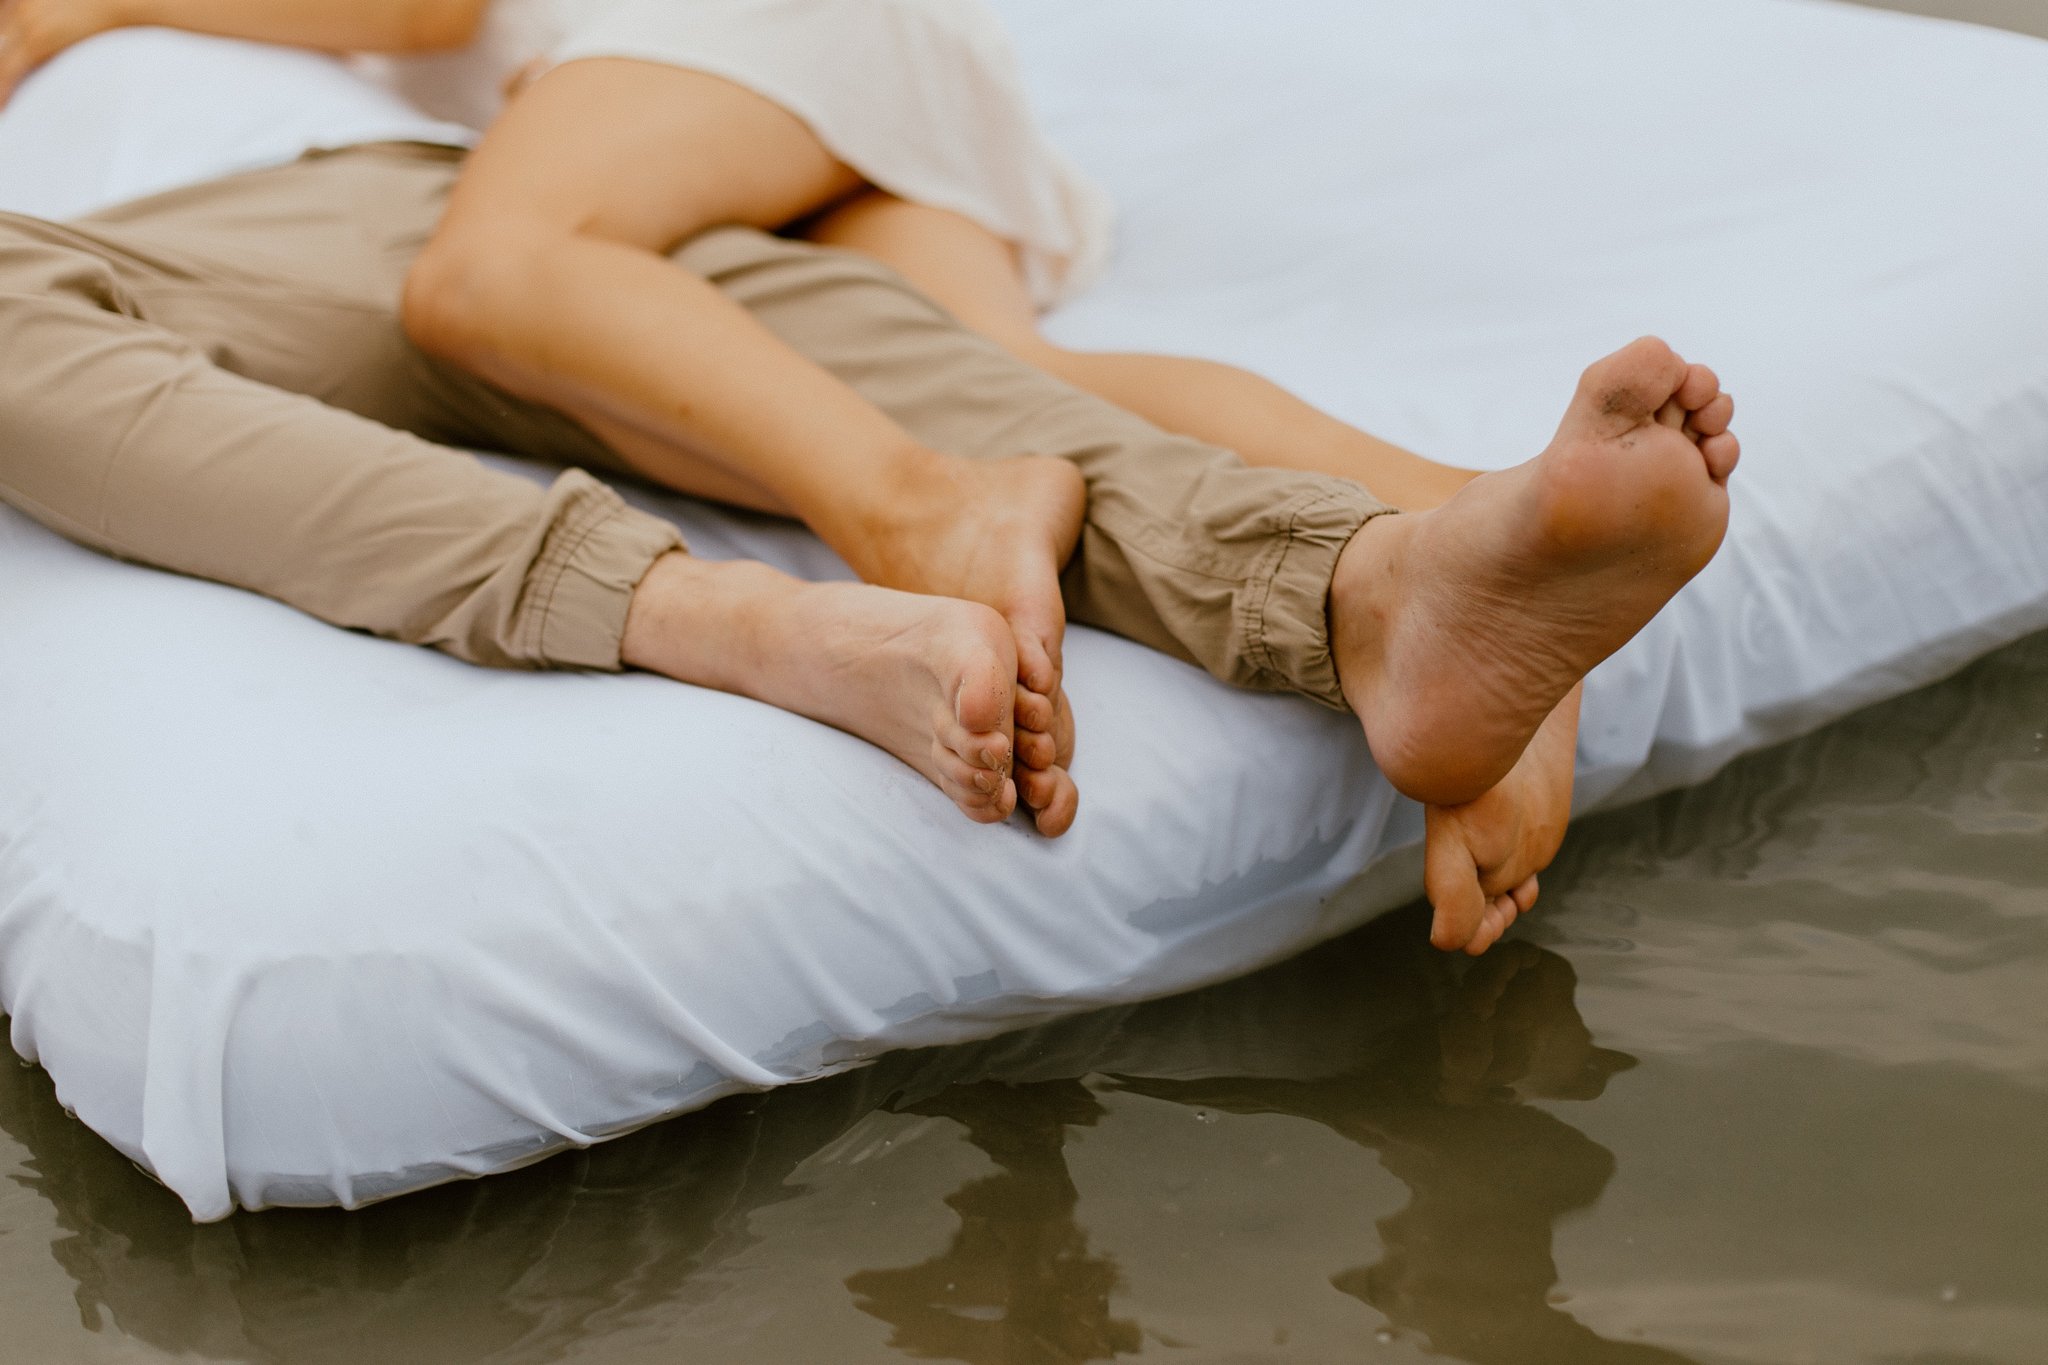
467, 286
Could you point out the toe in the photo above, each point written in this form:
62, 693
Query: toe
980, 809
1063, 728
1628, 387
1499, 916
1722, 453
1036, 749
984, 690
1698, 387
1035, 711
1036, 667
1713, 419
1050, 716
1524, 896
967, 783
1061, 803
992, 751
1450, 877
1037, 787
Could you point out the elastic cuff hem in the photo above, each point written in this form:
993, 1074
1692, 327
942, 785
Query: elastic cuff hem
1291, 632
581, 607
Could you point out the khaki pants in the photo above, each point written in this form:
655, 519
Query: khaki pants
214, 381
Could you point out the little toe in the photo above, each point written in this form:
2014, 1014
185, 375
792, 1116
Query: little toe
982, 810
1524, 896
1722, 453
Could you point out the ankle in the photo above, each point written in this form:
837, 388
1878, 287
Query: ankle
1362, 602
704, 622
907, 491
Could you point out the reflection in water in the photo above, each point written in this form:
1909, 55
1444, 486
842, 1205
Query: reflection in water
1426, 1060
1467, 1265
515, 1268
1017, 1286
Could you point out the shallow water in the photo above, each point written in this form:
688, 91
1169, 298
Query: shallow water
1766, 1080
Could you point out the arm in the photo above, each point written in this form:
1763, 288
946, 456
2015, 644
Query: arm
33, 31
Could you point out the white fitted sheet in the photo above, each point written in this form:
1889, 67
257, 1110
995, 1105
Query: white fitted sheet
295, 916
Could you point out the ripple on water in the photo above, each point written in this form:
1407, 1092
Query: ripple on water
1878, 890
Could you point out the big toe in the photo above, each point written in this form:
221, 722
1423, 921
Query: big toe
985, 691
1626, 389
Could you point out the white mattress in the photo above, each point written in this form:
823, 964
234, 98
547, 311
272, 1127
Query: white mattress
294, 916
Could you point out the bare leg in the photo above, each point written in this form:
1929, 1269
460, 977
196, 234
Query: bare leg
546, 277
973, 274
929, 679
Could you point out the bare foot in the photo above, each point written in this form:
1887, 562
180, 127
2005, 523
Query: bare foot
929, 679
1458, 631
998, 532
1482, 857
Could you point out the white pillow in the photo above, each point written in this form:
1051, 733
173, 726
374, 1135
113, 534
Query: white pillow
294, 916
136, 111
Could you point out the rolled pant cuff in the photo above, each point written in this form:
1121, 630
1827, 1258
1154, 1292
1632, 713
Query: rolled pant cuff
1289, 633
574, 608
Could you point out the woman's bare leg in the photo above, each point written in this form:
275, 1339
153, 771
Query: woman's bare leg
973, 274
547, 276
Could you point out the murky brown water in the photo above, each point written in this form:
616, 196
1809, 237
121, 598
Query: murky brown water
1765, 1081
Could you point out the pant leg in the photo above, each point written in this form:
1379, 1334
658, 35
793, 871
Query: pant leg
1185, 548
134, 419
339, 231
